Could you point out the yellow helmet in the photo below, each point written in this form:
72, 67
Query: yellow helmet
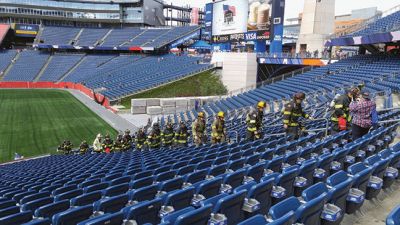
200, 114
261, 104
221, 114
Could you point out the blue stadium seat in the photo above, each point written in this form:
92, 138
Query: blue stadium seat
116, 190
39, 222
73, 215
47, 211
9, 211
7, 203
95, 187
195, 217
86, 199
196, 176
68, 195
33, 205
171, 218
18, 218
209, 188
172, 184
144, 212
180, 199
115, 218
341, 184
308, 213
231, 207
143, 194
112, 204
394, 216
140, 183
361, 177
256, 172
235, 179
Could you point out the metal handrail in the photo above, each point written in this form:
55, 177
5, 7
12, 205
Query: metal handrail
389, 121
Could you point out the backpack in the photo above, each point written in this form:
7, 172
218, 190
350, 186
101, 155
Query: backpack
342, 123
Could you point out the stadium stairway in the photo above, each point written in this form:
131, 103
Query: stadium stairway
43, 69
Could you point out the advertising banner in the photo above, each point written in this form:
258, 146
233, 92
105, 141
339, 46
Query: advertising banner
194, 16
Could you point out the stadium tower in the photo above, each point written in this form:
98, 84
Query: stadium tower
317, 24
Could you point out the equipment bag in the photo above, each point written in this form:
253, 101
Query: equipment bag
342, 123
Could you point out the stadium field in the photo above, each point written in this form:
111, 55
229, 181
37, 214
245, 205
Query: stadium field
35, 122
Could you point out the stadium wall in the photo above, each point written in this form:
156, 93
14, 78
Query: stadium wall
62, 85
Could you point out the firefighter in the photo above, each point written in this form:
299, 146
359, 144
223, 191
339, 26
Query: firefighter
341, 108
107, 144
156, 129
67, 147
83, 148
118, 143
127, 138
153, 140
199, 129
97, 144
291, 114
167, 136
254, 122
140, 139
218, 130
182, 135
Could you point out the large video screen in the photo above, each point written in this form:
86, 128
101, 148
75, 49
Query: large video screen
241, 16
230, 17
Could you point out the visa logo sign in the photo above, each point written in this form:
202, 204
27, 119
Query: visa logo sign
251, 36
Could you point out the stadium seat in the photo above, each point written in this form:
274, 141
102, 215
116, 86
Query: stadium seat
140, 183
19, 218
39, 222
116, 190
143, 194
112, 204
68, 195
115, 218
86, 199
209, 188
47, 211
180, 199
9, 211
172, 184
394, 216
73, 215
144, 212
231, 207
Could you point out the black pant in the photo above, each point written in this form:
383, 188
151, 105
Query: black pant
358, 132
292, 133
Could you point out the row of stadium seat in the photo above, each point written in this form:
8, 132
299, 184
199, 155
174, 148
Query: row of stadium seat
146, 37
115, 75
386, 24
379, 73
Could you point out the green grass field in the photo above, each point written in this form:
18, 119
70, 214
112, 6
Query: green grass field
203, 84
35, 122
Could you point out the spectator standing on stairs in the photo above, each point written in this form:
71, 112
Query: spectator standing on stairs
361, 110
